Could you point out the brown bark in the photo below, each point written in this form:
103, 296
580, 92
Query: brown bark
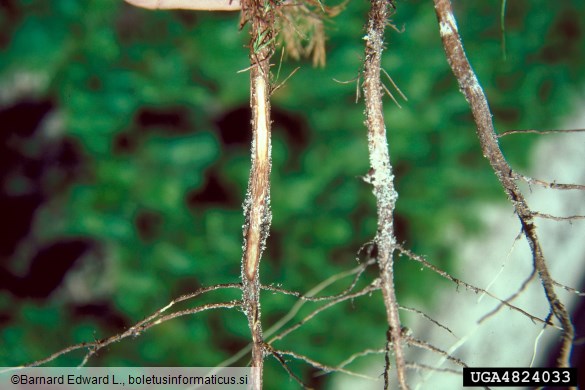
470, 87
257, 212
381, 175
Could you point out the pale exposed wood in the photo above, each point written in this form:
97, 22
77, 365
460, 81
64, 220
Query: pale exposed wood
202, 5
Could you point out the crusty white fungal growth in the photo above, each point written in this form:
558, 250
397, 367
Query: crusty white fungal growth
448, 26
382, 178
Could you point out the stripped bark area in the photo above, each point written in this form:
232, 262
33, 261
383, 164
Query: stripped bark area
257, 212
470, 87
380, 175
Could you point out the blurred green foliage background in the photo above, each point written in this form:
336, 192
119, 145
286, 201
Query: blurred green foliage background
126, 189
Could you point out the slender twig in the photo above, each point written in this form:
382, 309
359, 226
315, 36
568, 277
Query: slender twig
261, 16
471, 287
409, 365
309, 297
428, 318
321, 366
470, 87
381, 174
375, 285
497, 275
537, 341
394, 84
282, 362
419, 367
424, 345
363, 353
297, 306
133, 331
387, 363
560, 131
391, 96
315, 290
510, 298
280, 85
555, 218
570, 289
503, 28
546, 184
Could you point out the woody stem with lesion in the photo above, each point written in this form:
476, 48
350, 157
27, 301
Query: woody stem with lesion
471, 88
257, 211
381, 175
